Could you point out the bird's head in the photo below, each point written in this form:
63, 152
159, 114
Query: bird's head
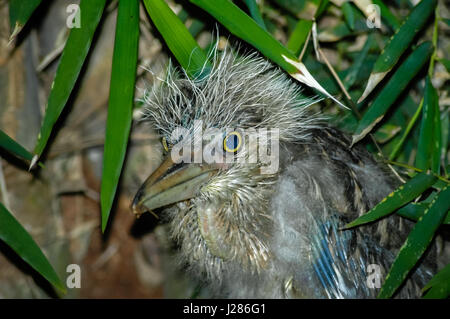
221, 134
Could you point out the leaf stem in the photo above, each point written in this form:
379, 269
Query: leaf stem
416, 169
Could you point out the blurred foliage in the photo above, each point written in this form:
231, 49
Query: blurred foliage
393, 70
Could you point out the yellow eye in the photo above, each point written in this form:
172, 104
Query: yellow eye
164, 143
232, 142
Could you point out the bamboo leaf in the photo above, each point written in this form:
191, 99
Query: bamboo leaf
341, 30
439, 286
414, 211
445, 63
13, 147
120, 106
180, 42
299, 35
357, 65
241, 25
16, 237
386, 132
72, 59
399, 43
254, 12
445, 125
446, 21
428, 150
406, 132
349, 15
416, 243
302, 9
19, 13
396, 84
401, 196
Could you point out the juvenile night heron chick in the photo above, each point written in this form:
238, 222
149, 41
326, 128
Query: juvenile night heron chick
247, 232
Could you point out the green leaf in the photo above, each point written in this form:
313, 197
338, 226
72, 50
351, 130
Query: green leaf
357, 65
446, 64
349, 14
180, 42
445, 125
386, 132
302, 9
245, 28
401, 196
13, 147
341, 30
72, 59
120, 106
439, 286
416, 243
16, 237
254, 12
446, 21
428, 150
299, 35
414, 211
396, 84
406, 132
399, 43
19, 13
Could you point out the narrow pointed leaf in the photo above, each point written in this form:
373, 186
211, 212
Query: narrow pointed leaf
414, 211
254, 12
349, 14
399, 43
16, 149
299, 35
396, 84
341, 30
120, 103
72, 59
357, 65
446, 64
180, 42
445, 125
437, 139
416, 243
386, 132
401, 196
13, 147
428, 150
16, 237
19, 13
245, 28
439, 286
302, 9
406, 132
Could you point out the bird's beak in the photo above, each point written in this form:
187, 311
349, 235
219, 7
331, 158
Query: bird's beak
171, 183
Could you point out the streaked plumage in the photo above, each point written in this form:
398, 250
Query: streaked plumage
253, 235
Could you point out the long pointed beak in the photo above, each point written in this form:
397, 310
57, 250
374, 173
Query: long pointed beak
171, 183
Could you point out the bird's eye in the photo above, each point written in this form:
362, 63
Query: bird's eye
164, 143
232, 142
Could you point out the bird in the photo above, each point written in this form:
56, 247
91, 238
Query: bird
243, 231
